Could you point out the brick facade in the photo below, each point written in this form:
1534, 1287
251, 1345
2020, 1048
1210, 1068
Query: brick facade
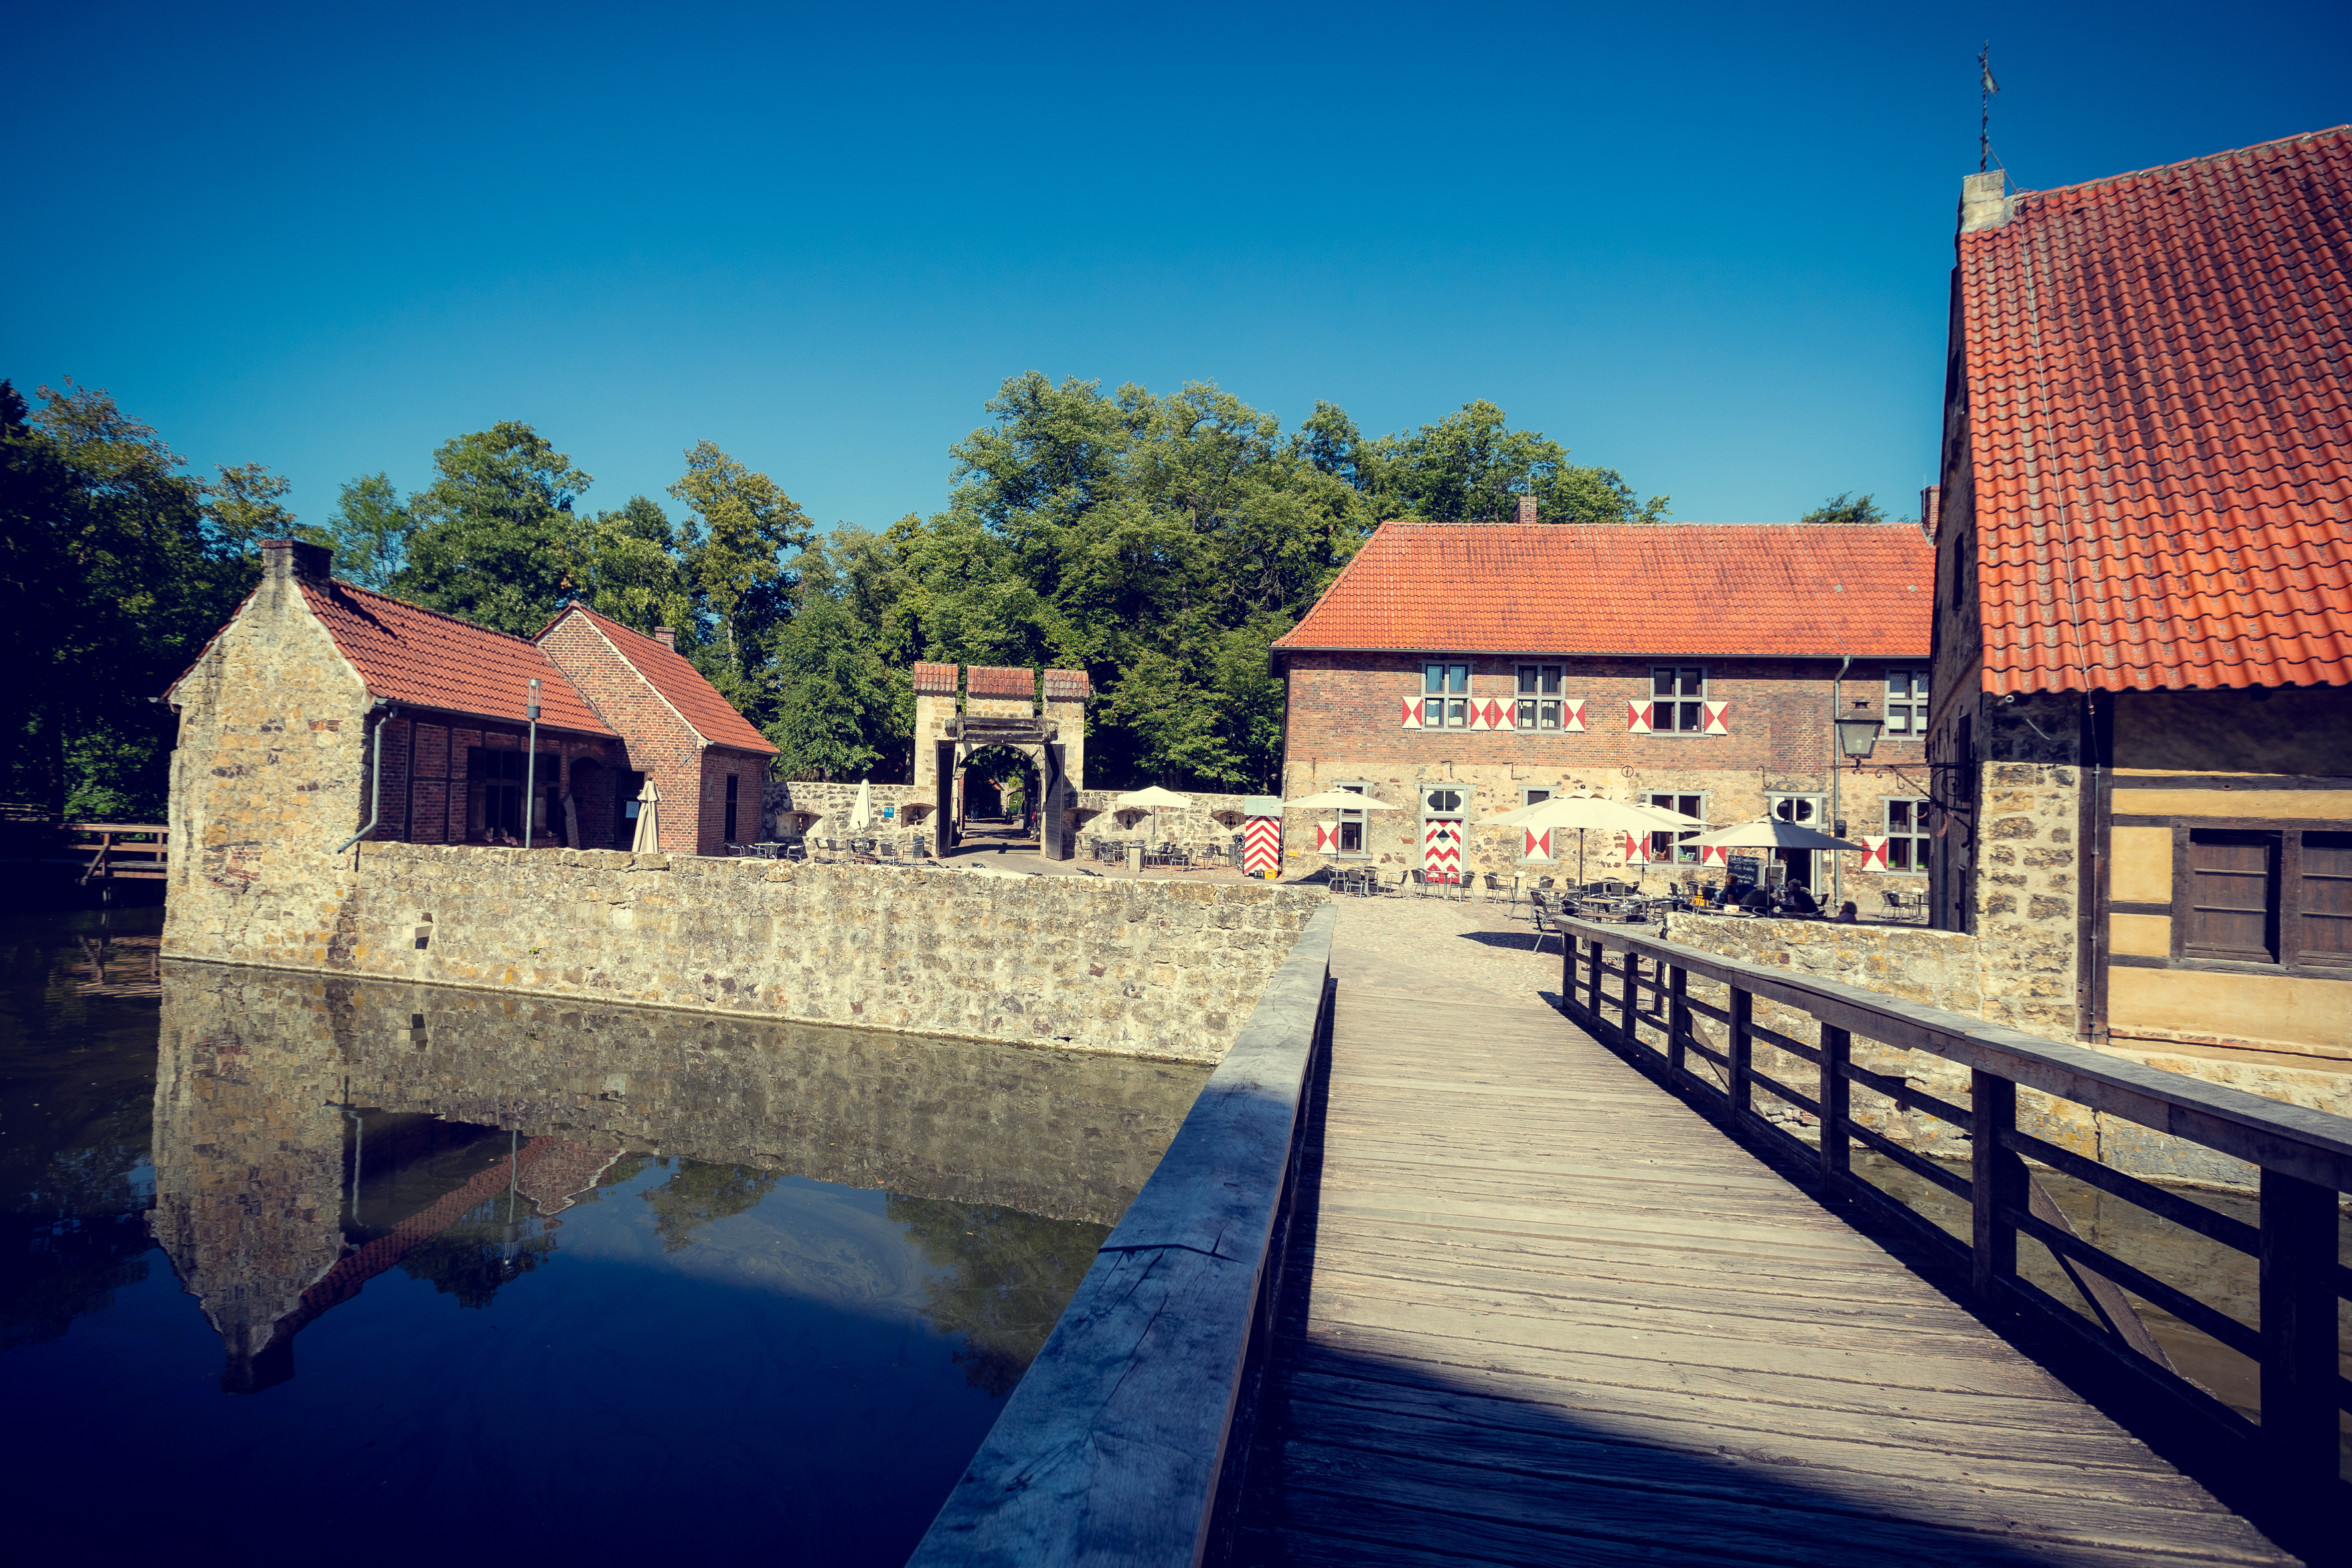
1344, 725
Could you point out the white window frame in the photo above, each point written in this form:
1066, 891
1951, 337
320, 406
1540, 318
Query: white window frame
1659, 706
1532, 704
1680, 851
1919, 836
1355, 819
1450, 702
1912, 705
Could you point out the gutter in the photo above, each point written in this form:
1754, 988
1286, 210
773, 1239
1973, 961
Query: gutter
384, 709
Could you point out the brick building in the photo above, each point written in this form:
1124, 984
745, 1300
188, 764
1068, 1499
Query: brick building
2142, 714
322, 706
1460, 670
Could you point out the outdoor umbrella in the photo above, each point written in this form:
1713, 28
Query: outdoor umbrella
648, 838
1772, 833
1336, 800
861, 816
1582, 811
1154, 797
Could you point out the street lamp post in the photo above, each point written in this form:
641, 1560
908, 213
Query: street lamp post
531, 763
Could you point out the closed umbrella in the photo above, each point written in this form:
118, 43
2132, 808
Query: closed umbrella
648, 838
861, 816
1153, 797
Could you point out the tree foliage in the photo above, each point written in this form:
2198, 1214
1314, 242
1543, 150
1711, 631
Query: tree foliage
1839, 508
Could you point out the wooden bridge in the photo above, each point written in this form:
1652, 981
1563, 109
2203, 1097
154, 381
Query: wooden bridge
1511, 1284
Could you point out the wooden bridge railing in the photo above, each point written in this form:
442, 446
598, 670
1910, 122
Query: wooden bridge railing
137, 849
2305, 1157
1113, 1448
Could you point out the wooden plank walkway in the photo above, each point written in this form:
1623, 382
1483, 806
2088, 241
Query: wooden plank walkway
1540, 1311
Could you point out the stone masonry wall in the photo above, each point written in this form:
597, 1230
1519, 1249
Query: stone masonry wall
1153, 969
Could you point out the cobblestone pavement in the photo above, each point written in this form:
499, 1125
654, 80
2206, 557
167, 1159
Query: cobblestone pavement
1470, 952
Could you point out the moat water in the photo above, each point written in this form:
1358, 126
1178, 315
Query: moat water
365, 1272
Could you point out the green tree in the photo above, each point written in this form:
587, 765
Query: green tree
115, 567
743, 525
494, 537
1471, 466
369, 529
629, 569
838, 709
1839, 509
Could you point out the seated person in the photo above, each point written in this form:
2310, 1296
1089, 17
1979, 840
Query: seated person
1755, 900
1800, 900
1846, 914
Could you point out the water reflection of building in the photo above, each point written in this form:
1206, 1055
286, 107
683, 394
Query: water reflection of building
277, 1199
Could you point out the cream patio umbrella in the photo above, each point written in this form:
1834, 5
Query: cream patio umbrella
1772, 833
649, 837
1153, 797
1585, 811
861, 816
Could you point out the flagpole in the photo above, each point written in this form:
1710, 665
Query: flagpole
1986, 88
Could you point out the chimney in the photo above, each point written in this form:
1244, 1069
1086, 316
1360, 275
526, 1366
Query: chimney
1527, 509
1931, 511
667, 637
1985, 201
285, 560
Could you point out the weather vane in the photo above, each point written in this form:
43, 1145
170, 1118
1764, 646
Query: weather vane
1984, 107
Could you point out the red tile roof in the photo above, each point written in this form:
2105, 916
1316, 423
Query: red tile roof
2159, 384
668, 672
427, 659
935, 679
1068, 686
1765, 588
982, 681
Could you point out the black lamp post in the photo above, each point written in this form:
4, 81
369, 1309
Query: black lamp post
531, 763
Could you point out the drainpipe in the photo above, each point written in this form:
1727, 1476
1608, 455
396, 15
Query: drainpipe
384, 709
1837, 712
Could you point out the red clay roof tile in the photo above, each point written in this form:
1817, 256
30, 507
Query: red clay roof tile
1068, 686
427, 659
2159, 385
1793, 589
669, 672
991, 682
935, 679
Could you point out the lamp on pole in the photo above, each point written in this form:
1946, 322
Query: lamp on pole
1857, 735
531, 762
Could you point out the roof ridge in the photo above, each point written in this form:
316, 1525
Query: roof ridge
2327, 131
428, 610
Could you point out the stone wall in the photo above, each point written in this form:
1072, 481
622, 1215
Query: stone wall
1155, 969
834, 801
1212, 820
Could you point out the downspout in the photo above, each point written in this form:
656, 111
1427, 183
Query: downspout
384, 710
1837, 711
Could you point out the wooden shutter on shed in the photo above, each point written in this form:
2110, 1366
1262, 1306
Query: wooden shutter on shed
2233, 876
2325, 917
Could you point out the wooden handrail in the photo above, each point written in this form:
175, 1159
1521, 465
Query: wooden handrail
1112, 1448
2305, 1157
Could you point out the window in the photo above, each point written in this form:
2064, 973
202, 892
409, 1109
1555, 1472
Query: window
1906, 702
1906, 836
1678, 699
1674, 844
1445, 696
494, 792
731, 808
2232, 895
1538, 697
1351, 823
1798, 808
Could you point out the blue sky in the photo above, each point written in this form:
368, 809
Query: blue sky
1706, 247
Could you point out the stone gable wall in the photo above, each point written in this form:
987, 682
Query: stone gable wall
1154, 969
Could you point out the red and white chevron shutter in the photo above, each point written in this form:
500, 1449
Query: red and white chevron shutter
1637, 717
1876, 859
1714, 725
1539, 845
1441, 848
1575, 715
1498, 714
1261, 845
1326, 838
1479, 715
1412, 713
1713, 855
1637, 849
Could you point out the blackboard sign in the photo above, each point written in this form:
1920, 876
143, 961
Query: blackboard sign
1743, 867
